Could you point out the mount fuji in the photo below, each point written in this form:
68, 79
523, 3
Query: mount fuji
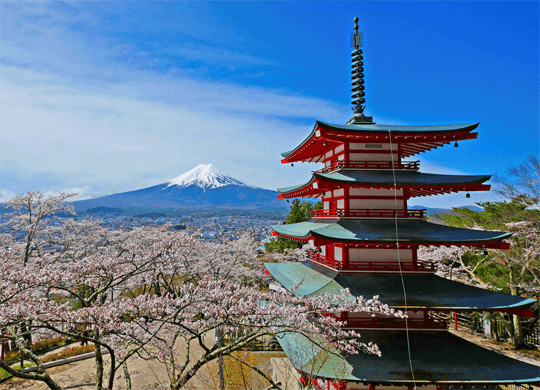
203, 187
207, 176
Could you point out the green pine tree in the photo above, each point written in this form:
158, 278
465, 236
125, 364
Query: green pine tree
300, 212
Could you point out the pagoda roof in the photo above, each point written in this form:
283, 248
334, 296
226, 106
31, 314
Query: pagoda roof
414, 139
433, 183
436, 357
424, 292
383, 232
382, 128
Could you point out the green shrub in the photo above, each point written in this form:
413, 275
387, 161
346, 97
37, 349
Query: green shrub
69, 352
11, 357
5, 374
40, 346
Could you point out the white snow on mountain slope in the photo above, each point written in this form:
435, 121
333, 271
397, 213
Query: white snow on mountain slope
206, 176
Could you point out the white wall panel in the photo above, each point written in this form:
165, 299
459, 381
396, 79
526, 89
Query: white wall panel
340, 192
385, 204
372, 157
338, 253
375, 192
382, 254
362, 146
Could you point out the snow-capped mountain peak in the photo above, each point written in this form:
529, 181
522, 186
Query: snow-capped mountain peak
206, 176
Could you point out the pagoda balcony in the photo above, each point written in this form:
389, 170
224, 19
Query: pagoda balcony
373, 266
324, 260
368, 214
393, 323
379, 165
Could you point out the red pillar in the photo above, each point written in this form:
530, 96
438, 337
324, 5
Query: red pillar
342, 385
345, 257
346, 153
346, 203
455, 320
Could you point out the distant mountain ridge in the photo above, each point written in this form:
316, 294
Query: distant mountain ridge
434, 210
203, 187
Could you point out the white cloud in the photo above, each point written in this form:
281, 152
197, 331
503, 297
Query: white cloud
6, 195
113, 135
81, 193
89, 112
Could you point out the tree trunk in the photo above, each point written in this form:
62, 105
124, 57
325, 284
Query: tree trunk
518, 338
496, 330
126, 375
27, 342
99, 366
219, 336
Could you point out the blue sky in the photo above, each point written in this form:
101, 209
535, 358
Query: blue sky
102, 97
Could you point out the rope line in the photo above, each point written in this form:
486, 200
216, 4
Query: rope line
397, 232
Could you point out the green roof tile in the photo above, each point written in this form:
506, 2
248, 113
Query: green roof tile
400, 128
403, 178
437, 357
423, 291
410, 231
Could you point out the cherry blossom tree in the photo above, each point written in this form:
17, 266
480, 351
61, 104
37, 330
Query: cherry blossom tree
150, 324
518, 268
34, 218
522, 262
166, 327
148, 292
451, 264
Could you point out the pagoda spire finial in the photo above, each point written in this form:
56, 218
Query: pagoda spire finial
358, 78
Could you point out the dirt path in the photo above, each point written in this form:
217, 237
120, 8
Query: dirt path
146, 375
497, 347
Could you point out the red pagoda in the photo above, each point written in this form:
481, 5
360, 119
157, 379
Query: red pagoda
366, 239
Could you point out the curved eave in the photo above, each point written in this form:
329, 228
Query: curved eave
309, 282
418, 184
401, 178
424, 292
439, 358
287, 192
415, 139
382, 233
